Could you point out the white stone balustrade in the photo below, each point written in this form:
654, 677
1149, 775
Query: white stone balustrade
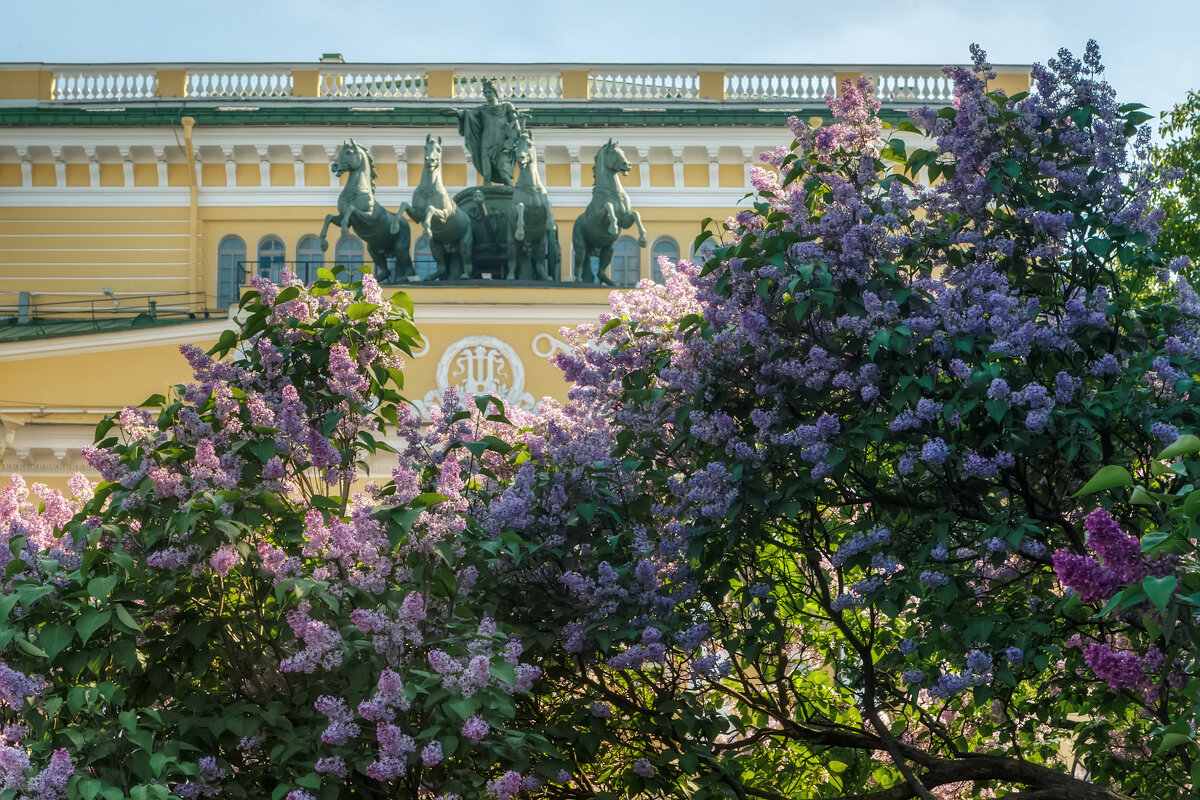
90, 84
385, 83
629, 82
657, 85
238, 84
518, 85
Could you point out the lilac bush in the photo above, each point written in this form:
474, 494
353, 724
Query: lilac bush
809, 525
865, 420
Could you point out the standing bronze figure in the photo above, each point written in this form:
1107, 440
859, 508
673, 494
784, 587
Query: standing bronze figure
491, 132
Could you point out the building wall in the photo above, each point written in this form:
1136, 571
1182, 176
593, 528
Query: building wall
118, 183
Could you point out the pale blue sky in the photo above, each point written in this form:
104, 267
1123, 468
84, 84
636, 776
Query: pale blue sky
1149, 47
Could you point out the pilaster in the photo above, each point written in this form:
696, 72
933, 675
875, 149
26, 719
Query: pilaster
264, 166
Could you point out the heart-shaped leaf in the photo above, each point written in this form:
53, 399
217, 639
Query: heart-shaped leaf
1159, 590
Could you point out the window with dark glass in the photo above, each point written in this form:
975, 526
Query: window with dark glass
626, 266
663, 246
309, 258
231, 270
270, 258
349, 254
423, 263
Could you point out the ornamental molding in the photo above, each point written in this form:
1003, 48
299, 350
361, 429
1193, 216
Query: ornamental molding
430, 312
382, 137
480, 365
544, 345
563, 197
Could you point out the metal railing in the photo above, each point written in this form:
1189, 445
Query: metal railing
162, 305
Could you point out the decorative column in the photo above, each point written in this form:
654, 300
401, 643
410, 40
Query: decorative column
576, 169
60, 166
471, 173
330, 155
230, 167
93, 167
401, 166
677, 154
747, 162
644, 166
127, 158
264, 166
298, 164
160, 156
714, 167
26, 167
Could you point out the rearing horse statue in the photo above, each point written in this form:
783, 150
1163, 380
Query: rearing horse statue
530, 218
597, 228
385, 234
447, 227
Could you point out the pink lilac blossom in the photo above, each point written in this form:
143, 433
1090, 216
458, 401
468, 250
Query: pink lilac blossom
225, 558
51, 782
340, 729
322, 644
475, 728
431, 754
506, 786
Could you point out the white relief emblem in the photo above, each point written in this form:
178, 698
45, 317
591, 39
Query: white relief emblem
544, 345
480, 365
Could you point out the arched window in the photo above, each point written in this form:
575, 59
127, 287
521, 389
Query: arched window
626, 266
270, 258
309, 258
423, 263
231, 270
349, 254
664, 246
704, 252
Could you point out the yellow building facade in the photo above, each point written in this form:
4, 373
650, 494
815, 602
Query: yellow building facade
135, 201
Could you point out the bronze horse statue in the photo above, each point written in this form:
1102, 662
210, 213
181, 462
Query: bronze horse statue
597, 228
446, 226
529, 219
385, 234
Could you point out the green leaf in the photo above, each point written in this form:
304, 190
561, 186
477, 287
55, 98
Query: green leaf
30, 649
361, 310
1159, 590
53, 638
1174, 735
1110, 477
1141, 497
125, 619
1180, 447
403, 301
1151, 541
1191, 503
101, 588
463, 707
92, 621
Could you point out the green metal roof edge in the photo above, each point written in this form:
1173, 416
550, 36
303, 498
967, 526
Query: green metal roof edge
411, 117
13, 331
